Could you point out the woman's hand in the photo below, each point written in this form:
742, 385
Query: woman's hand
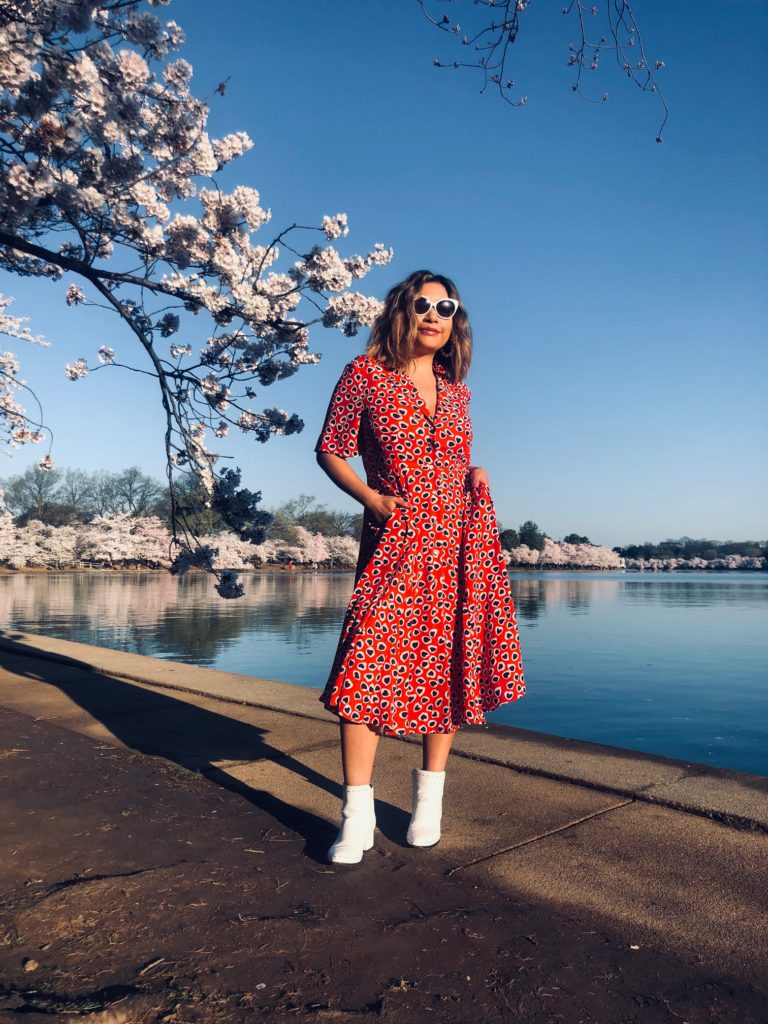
477, 476
381, 506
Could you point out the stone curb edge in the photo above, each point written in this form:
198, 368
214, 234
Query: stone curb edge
735, 799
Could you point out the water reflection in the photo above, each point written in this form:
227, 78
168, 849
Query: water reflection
534, 593
697, 591
667, 664
164, 616
182, 618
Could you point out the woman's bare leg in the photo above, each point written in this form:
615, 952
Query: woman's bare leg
358, 752
434, 751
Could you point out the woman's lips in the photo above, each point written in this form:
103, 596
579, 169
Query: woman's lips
428, 330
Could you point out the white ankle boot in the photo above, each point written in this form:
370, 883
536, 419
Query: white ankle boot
424, 829
358, 820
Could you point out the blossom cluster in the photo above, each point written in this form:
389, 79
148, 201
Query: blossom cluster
13, 418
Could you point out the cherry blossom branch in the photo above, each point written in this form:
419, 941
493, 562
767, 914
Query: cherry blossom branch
116, 162
492, 43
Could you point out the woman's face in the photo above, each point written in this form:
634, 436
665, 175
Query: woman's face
432, 331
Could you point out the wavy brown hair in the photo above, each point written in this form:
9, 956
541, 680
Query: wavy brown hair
395, 329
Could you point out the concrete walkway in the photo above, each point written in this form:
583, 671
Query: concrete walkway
671, 854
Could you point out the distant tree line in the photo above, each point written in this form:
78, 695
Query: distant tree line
63, 498
529, 535
688, 547
74, 496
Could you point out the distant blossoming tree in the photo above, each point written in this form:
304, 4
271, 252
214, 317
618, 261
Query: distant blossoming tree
552, 553
109, 539
523, 555
232, 552
314, 546
107, 174
50, 547
561, 554
120, 539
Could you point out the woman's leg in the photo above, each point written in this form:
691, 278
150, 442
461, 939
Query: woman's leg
358, 815
434, 751
358, 752
428, 782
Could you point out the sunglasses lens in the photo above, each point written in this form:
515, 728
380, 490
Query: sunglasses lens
421, 305
445, 308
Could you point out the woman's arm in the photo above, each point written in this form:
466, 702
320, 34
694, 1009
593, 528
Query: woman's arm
380, 506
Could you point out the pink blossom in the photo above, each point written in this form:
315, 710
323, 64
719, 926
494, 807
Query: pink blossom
335, 227
76, 370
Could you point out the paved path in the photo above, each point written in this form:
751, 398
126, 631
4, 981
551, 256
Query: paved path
666, 855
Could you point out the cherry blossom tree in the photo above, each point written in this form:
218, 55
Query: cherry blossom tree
18, 426
151, 541
491, 28
343, 551
231, 551
108, 539
314, 546
48, 547
7, 538
523, 555
107, 175
552, 554
565, 556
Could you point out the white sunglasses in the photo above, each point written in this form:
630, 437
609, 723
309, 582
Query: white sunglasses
445, 308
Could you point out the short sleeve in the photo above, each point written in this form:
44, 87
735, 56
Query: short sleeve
342, 421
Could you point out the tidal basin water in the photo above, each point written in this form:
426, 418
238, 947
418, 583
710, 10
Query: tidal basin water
667, 663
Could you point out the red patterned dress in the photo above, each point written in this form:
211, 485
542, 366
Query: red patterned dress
429, 641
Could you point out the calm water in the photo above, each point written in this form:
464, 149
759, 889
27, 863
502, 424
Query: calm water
673, 664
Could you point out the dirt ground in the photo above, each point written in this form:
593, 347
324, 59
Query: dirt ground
132, 890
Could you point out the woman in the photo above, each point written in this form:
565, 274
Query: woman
429, 641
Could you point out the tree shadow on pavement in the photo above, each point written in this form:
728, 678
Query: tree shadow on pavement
155, 723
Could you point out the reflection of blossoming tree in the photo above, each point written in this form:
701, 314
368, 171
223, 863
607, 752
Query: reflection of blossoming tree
100, 171
491, 27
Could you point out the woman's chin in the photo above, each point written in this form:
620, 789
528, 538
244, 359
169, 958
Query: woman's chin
429, 343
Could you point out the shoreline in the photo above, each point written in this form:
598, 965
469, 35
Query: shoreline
723, 794
272, 569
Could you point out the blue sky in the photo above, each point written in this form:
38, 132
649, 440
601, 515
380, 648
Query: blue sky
616, 287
